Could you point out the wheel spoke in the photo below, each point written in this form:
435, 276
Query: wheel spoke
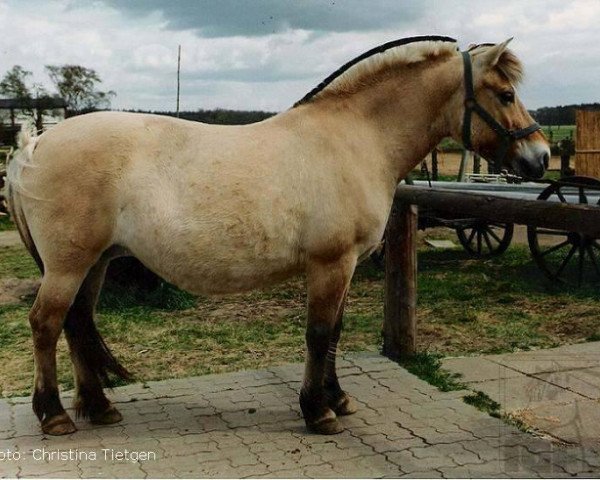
582, 197
565, 261
560, 196
479, 246
493, 234
555, 248
487, 241
581, 265
593, 259
471, 236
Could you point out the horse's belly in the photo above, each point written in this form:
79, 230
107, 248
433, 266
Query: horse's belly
212, 258
211, 278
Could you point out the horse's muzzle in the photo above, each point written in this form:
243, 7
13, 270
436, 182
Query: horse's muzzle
532, 160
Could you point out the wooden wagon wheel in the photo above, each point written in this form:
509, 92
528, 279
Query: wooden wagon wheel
567, 257
483, 238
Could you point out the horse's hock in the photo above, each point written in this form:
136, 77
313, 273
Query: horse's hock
587, 149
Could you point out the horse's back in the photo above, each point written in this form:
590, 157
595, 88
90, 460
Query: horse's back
194, 202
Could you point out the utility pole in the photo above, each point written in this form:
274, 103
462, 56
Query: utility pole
178, 71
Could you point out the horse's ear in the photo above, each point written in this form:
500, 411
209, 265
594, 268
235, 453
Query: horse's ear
490, 58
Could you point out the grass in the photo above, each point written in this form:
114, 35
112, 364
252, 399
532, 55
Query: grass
15, 262
465, 306
6, 224
556, 133
427, 366
481, 401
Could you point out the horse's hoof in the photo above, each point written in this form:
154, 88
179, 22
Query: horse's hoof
59, 425
328, 424
345, 406
109, 416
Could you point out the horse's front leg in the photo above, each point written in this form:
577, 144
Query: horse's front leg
327, 286
338, 400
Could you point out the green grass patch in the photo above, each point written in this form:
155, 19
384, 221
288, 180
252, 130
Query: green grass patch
16, 262
428, 366
594, 337
556, 133
164, 297
6, 224
484, 403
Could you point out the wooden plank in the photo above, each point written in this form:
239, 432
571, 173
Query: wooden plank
573, 218
400, 319
587, 149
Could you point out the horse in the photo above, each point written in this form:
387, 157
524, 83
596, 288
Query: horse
224, 209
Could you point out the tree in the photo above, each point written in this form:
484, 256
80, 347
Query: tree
78, 86
14, 85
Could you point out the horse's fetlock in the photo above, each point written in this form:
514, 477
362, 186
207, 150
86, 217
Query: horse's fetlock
313, 404
90, 401
46, 403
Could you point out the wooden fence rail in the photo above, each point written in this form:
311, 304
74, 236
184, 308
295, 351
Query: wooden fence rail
399, 328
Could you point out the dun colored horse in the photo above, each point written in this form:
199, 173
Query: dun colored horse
221, 209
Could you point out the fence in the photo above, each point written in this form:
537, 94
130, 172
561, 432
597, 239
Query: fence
587, 147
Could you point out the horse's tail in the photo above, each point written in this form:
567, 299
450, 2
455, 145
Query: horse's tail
16, 163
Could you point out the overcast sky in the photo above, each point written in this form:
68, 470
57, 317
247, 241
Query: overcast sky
266, 54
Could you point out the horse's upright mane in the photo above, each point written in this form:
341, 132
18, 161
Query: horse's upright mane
402, 51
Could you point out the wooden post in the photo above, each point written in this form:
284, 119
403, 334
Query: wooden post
400, 319
434, 165
463, 166
476, 164
178, 74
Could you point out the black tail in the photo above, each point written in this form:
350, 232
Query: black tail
82, 332
90, 350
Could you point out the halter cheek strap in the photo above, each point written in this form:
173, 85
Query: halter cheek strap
472, 106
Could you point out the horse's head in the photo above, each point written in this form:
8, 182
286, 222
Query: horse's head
495, 123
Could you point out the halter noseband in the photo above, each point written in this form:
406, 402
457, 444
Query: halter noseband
472, 106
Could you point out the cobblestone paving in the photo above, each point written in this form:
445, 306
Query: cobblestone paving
555, 391
248, 424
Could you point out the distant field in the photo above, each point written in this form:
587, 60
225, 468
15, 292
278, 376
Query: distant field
556, 133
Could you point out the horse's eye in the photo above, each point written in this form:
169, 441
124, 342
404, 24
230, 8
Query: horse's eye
507, 97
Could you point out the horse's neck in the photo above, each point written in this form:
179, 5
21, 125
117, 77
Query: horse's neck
409, 116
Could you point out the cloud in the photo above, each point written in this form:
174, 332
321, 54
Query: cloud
233, 61
225, 18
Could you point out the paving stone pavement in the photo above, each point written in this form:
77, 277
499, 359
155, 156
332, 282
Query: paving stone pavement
248, 424
556, 391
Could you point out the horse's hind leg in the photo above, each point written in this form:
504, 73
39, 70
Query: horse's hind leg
338, 400
91, 358
327, 286
46, 318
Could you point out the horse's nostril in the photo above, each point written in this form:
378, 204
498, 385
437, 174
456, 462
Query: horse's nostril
532, 169
546, 160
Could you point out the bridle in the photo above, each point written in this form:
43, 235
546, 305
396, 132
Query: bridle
507, 137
